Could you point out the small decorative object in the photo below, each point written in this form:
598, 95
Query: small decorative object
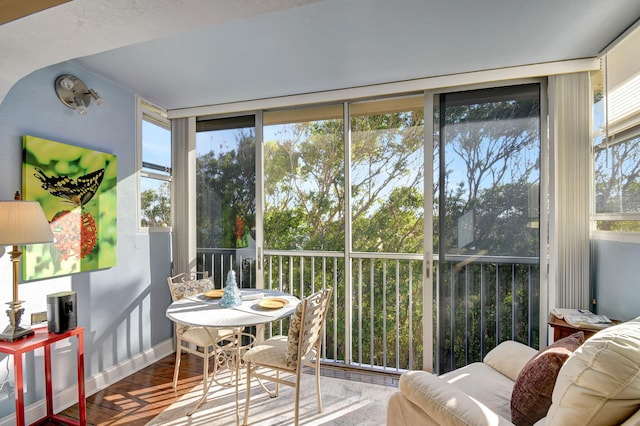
231, 296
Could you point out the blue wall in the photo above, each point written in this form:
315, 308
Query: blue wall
617, 279
122, 308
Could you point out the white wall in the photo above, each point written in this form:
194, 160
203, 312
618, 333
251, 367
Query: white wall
121, 308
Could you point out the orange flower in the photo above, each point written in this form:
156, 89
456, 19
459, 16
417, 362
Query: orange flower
75, 233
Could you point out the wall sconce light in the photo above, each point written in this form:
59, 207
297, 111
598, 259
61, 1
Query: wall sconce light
75, 94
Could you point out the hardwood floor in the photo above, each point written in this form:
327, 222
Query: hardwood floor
137, 399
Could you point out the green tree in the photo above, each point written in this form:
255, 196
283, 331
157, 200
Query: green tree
156, 206
494, 138
388, 215
304, 187
304, 195
304, 176
617, 174
497, 143
226, 192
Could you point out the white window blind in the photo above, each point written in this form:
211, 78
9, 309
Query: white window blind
622, 87
569, 265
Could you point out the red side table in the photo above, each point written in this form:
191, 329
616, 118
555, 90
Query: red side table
44, 339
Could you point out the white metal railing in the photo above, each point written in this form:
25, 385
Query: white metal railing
491, 298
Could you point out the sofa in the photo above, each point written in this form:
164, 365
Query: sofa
571, 382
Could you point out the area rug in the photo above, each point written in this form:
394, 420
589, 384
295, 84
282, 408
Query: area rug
344, 402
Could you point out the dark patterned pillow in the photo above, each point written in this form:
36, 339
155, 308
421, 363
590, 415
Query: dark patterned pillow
531, 396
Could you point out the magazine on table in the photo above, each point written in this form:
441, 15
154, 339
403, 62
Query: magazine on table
582, 318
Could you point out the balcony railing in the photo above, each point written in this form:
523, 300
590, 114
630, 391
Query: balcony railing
376, 321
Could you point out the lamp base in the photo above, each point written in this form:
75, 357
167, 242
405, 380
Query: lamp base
11, 333
14, 330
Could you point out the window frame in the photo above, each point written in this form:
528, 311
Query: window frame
147, 111
603, 137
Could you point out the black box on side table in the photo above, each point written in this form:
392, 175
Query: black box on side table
61, 311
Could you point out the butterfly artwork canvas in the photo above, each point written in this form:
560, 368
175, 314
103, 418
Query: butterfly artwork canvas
76, 187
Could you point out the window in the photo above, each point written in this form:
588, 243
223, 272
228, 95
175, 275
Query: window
226, 197
304, 179
154, 167
486, 220
387, 175
616, 141
617, 195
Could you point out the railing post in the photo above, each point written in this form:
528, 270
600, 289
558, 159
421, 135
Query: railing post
348, 247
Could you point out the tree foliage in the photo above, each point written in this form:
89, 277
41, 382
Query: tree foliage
304, 184
496, 144
226, 192
491, 169
155, 206
617, 177
305, 176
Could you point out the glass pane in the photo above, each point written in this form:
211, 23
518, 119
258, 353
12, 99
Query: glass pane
387, 204
155, 203
617, 168
486, 221
156, 148
387, 175
491, 172
618, 225
304, 180
599, 117
226, 199
616, 155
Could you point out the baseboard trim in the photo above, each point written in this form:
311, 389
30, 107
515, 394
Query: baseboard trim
68, 397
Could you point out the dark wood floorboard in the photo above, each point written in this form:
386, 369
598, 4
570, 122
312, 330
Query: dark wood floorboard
137, 399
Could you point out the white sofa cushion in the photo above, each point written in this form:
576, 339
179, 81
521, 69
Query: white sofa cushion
478, 394
485, 384
600, 382
509, 358
426, 399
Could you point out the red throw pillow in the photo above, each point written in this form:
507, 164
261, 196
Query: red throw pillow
531, 396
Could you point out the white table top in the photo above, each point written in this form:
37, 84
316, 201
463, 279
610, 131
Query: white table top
201, 311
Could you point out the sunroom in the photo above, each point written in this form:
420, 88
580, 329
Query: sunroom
449, 206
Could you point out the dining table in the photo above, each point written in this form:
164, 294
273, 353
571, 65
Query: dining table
258, 308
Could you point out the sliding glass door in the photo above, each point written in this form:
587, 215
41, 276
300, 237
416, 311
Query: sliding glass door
226, 198
363, 197
486, 220
344, 207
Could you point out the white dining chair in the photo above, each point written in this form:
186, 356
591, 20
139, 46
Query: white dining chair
288, 354
198, 341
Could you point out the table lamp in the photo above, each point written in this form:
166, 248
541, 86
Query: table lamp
21, 223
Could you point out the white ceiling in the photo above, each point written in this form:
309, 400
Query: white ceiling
186, 53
